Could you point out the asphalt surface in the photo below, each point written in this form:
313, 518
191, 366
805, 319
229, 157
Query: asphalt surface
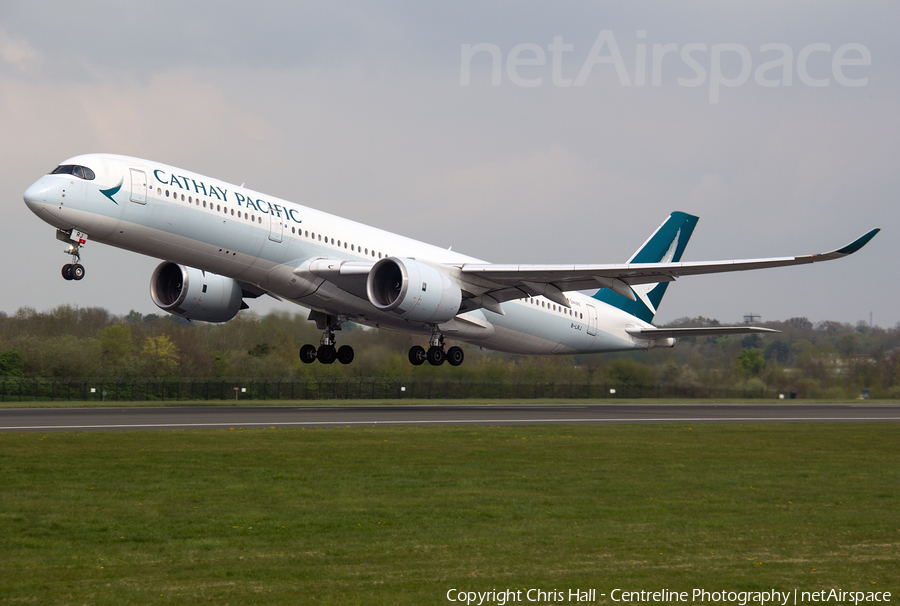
213, 417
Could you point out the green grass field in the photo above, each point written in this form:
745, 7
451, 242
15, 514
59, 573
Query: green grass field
400, 515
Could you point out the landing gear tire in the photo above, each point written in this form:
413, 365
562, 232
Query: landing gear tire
326, 354
308, 354
67, 272
345, 354
436, 355
455, 356
77, 271
417, 355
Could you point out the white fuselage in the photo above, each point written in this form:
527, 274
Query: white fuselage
197, 221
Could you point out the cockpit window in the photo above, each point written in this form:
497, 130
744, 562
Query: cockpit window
82, 172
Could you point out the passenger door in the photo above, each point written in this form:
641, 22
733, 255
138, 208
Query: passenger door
592, 320
138, 186
276, 227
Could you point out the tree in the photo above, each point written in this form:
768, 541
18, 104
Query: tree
11, 364
626, 370
115, 342
160, 355
751, 362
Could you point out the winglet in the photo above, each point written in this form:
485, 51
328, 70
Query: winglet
858, 243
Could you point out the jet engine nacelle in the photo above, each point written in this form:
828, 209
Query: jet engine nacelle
195, 294
413, 290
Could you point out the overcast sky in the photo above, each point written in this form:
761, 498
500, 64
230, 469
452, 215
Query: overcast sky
775, 122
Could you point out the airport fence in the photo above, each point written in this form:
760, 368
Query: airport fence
356, 388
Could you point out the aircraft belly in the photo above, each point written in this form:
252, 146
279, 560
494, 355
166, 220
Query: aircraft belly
527, 329
60, 219
183, 250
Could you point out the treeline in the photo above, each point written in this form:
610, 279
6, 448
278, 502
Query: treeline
825, 360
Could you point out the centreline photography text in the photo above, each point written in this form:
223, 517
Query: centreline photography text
501, 597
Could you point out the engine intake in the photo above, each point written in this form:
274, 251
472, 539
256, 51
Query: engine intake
413, 290
195, 294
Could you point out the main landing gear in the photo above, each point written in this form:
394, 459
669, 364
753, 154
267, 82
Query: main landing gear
74, 270
326, 352
436, 354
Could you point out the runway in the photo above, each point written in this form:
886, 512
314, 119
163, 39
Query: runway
218, 417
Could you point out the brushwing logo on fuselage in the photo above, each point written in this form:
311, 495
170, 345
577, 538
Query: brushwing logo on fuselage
109, 193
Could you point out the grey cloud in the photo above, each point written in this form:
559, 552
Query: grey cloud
356, 108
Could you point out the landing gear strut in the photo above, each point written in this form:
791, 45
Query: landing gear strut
436, 354
73, 270
326, 353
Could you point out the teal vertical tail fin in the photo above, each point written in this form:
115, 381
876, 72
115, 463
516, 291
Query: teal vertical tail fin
666, 245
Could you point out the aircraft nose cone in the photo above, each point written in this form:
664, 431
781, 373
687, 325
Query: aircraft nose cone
36, 195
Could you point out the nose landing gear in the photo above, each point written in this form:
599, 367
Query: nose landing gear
74, 270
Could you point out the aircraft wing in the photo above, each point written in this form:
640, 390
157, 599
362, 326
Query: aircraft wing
487, 285
501, 282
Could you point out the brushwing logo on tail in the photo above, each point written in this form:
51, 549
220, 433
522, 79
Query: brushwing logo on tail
642, 291
666, 245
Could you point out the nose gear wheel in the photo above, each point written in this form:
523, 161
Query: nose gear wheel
73, 270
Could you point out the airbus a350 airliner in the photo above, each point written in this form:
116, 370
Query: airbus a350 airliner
222, 243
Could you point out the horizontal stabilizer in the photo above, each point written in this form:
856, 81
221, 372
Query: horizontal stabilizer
700, 331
